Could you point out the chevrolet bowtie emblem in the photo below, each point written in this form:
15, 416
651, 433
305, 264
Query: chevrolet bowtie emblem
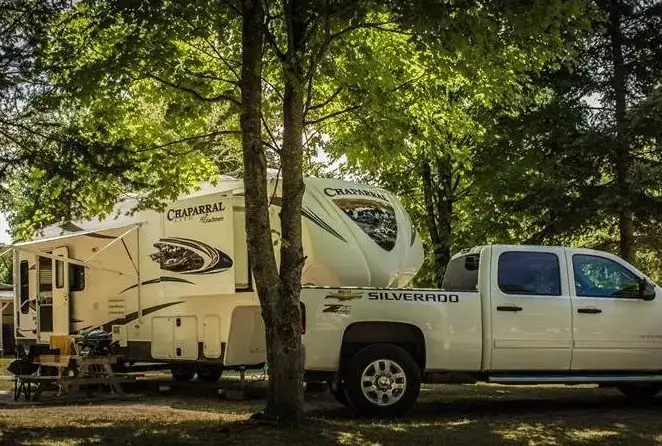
344, 295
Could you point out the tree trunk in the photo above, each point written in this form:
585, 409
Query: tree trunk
286, 379
438, 199
444, 215
258, 228
619, 85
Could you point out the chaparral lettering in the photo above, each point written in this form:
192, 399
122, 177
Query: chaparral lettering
188, 212
333, 192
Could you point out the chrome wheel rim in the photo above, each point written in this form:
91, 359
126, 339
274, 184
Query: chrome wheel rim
383, 382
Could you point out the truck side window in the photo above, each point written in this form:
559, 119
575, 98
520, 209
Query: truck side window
531, 273
460, 278
601, 277
24, 280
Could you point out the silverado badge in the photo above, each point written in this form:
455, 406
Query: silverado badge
343, 295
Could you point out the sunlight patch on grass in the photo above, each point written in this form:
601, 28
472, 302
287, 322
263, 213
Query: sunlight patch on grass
592, 434
533, 434
353, 438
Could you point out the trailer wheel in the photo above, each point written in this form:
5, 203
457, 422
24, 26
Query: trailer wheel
209, 373
641, 391
382, 380
182, 372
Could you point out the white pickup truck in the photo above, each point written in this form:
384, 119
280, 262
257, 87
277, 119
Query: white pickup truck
506, 314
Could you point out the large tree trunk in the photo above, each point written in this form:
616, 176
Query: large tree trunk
619, 85
278, 299
286, 380
278, 292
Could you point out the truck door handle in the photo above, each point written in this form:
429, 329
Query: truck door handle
589, 310
514, 308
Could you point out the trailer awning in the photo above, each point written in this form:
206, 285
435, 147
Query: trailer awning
33, 246
74, 234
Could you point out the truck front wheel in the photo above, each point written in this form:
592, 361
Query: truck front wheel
382, 380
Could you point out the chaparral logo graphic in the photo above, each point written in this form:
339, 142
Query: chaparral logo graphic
204, 210
334, 192
344, 295
187, 256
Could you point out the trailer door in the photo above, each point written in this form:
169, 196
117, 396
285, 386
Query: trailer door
61, 292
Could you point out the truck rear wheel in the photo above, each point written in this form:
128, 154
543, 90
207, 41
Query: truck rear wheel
640, 392
382, 380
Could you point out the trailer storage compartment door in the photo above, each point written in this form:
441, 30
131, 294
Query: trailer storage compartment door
196, 249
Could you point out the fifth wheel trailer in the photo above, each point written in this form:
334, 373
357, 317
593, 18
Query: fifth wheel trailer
176, 286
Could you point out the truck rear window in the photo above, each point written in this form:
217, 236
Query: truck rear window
532, 273
461, 274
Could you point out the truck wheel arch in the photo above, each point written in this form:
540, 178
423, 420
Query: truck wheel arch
406, 336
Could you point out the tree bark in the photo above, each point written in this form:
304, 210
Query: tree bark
444, 215
258, 226
286, 379
619, 85
438, 199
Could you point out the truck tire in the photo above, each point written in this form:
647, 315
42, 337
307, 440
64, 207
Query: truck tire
209, 373
382, 380
182, 372
640, 392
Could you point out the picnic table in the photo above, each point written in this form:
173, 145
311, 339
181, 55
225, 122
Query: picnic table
67, 373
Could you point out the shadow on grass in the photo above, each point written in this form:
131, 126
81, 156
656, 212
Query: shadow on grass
458, 416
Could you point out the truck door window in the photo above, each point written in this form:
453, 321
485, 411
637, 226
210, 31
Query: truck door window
531, 273
601, 277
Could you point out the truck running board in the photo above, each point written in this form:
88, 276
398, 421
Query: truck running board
572, 379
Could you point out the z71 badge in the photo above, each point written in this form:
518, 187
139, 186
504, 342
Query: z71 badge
336, 308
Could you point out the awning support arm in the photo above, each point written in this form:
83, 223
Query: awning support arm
119, 238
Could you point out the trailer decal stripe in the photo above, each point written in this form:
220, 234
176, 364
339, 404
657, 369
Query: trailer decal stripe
129, 317
158, 280
310, 215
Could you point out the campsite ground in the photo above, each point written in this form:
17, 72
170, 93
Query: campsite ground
457, 415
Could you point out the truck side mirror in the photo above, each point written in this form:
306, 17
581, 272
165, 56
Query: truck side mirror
646, 290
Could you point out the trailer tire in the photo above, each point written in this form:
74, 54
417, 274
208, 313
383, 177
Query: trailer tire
182, 372
382, 380
209, 373
640, 392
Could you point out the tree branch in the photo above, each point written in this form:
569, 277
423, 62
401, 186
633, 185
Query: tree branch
332, 115
324, 103
219, 98
192, 138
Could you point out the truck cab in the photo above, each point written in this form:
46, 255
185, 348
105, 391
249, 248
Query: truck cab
512, 314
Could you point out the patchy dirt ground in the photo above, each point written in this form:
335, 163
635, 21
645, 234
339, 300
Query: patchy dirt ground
457, 415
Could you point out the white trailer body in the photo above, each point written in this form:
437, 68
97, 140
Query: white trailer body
176, 286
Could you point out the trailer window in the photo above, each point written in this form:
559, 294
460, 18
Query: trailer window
76, 278
59, 274
24, 280
461, 275
531, 273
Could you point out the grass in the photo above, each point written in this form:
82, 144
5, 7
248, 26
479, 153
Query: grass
6, 382
454, 415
